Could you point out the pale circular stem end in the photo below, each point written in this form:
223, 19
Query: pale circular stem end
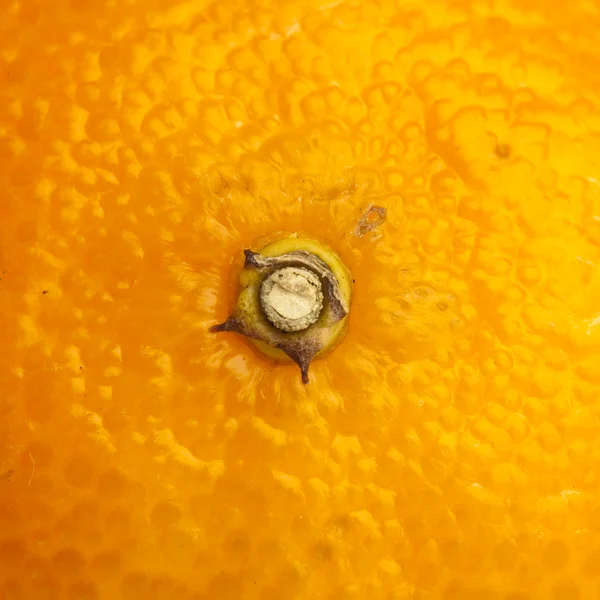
292, 298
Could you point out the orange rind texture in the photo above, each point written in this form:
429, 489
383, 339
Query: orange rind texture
448, 448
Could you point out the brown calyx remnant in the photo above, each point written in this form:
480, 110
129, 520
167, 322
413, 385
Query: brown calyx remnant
290, 302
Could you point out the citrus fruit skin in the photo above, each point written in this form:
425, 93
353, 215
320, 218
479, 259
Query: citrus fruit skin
448, 448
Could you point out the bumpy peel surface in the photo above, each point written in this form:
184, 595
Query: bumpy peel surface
447, 448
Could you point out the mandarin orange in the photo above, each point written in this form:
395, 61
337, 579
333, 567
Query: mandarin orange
448, 446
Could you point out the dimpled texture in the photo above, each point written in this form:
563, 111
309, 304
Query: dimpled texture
448, 448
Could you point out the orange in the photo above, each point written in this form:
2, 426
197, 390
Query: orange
447, 448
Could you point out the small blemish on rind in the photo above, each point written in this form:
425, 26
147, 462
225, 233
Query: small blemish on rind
503, 150
374, 217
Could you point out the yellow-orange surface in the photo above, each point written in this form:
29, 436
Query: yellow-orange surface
448, 448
